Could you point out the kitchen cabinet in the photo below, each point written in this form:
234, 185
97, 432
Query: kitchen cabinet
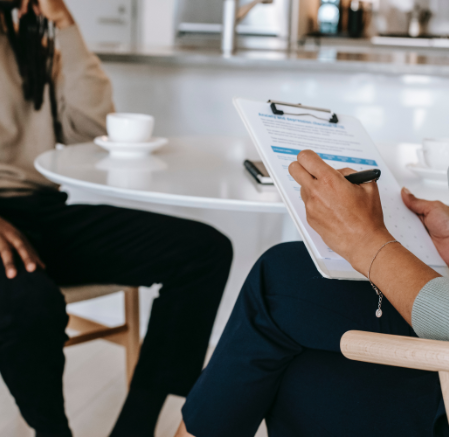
106, 21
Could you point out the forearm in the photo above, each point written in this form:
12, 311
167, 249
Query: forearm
84, 78
84, 90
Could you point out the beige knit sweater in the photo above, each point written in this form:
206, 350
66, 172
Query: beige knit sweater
84, 98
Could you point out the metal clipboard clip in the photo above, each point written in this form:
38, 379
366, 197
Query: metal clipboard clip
332, 116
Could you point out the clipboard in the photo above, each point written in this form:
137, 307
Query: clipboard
277, 150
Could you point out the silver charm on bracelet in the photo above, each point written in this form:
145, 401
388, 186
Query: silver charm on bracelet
378, 292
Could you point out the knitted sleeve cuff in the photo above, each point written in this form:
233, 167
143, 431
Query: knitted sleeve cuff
430, 314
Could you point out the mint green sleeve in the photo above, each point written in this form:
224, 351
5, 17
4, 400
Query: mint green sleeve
430, 314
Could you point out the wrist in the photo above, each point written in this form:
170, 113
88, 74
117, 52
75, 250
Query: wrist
367, 248
64, 19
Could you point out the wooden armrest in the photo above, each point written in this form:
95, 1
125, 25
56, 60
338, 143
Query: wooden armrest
395, 350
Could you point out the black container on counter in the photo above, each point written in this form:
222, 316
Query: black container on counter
356, 22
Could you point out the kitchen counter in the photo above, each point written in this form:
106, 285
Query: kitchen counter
400, 95
337, 56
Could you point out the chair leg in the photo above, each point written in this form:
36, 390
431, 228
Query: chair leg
133, 335
444, 381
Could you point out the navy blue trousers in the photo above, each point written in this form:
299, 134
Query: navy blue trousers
279, 359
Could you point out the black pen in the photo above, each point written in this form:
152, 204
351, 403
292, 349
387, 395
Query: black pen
363, 177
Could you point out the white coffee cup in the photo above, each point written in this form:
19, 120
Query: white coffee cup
129, 128
435, 153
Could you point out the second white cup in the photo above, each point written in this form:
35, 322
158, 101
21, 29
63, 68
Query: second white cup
435, 153
129, 128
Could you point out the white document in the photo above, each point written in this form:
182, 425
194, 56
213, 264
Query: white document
279, 139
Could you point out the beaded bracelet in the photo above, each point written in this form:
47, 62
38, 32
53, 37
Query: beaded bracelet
379, 293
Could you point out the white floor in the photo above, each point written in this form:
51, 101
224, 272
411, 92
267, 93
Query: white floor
95, 389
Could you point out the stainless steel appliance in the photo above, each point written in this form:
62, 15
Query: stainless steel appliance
206, 16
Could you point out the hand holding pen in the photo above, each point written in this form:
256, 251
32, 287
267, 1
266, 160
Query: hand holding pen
348, 216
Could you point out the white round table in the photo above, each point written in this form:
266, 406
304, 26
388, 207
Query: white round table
203, 172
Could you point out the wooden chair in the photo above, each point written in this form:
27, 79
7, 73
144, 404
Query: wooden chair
394, 350
126, 335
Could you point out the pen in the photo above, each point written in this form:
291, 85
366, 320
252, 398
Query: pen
362, 177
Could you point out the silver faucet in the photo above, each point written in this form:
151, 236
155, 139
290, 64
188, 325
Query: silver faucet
232, 15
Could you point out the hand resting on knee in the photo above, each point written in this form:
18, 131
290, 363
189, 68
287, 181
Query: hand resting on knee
12, 240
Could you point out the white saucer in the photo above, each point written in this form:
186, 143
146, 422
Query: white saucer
129, 150
428, 173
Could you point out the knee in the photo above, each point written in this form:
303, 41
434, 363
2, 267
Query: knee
213, 245
35, 305
283, 269
222, 246
285, 253
282, 260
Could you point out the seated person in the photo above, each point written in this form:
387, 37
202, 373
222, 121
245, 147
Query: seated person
279, 357
44, 243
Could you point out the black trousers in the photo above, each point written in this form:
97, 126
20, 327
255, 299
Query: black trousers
83, 244
279, 359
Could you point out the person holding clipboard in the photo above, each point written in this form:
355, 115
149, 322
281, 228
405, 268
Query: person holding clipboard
279, 357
